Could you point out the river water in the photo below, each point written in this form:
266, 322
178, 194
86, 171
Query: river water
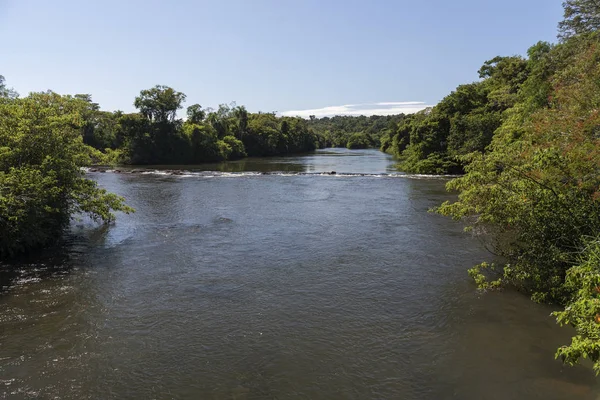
288, 285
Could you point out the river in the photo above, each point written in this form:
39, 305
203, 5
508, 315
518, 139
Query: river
289, 285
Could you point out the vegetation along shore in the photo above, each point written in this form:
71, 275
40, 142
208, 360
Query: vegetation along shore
525, 139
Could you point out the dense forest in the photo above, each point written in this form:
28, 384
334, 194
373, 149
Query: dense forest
439, 139
528, 137
354, 132
525, 138
155, 135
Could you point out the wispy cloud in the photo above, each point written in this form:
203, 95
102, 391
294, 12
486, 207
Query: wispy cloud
383, 108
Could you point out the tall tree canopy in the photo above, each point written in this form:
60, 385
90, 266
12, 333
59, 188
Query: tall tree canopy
581, 16
160, 103
439, 140
156, 136
195, 113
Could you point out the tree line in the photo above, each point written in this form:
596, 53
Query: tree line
527, 137
354, 132
436, 140
155, 135
46, 139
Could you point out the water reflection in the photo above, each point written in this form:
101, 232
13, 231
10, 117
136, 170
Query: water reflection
327, 160
274, 164
56, 261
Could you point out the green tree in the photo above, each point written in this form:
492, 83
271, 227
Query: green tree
241, 125
195, 114
580, 17
160, 103
534, 194
583, 312
231, 148
41, 181
203, 141
6, 92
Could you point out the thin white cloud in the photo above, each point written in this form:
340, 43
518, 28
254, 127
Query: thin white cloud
367, 109
400, 103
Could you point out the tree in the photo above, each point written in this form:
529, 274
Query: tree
6, 92
582, 313
241, 115
41, 181
231, 148
580, 16
159, 104
195, 114
359, 141
218, 123
534, 195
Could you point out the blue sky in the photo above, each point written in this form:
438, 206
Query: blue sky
325, 56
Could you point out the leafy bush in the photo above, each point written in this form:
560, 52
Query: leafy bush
41, 180
583, 309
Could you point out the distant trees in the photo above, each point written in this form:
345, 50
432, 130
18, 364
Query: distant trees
156, 136
359, 141
160, 103
364, 131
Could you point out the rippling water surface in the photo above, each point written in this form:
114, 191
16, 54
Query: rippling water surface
287, 285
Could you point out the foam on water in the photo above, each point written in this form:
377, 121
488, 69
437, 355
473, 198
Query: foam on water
219, 174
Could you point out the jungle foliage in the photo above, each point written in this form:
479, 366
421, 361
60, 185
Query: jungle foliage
155, 135
354, 132
41, 179
532, 183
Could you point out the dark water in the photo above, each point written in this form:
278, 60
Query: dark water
281, 286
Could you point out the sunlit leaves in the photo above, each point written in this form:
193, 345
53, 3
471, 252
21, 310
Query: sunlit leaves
440, 140
583, 311
160, 103
41, 181
534, 195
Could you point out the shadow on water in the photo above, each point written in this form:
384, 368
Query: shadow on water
55, 261
324, 160
276, 164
